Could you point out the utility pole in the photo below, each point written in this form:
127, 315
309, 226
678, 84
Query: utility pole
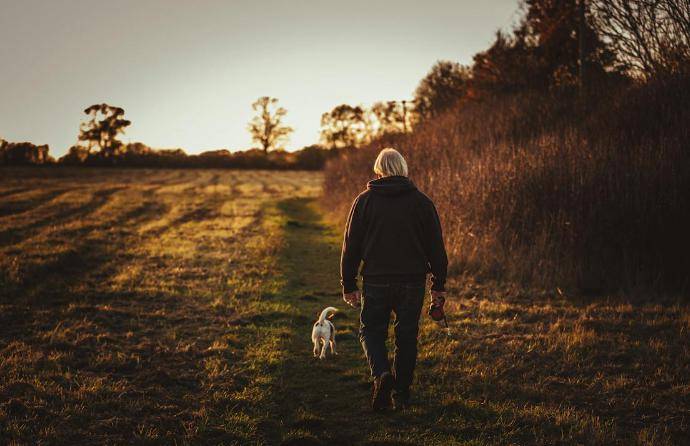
404, 104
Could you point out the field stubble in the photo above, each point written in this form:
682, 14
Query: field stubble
160, 307
126, 300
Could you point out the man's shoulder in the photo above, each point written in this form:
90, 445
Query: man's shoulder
362, 195
422, 197
360, 201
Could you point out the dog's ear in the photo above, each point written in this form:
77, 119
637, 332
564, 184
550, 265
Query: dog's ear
330, 316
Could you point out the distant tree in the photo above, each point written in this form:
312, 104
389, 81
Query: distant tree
391, 116
172, 153
370, 127
312, 157
23, 153
344, 126
102, 129
649, 36
75, 155
137, 148
136, 154
441, 88
172, 158
267, 127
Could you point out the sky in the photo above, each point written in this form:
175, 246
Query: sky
187, 71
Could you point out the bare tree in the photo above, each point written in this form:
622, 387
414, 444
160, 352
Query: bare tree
267, 126
650, 36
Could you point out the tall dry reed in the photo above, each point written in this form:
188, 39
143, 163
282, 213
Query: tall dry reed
546, 190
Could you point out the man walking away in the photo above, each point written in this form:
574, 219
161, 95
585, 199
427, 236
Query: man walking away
394, 233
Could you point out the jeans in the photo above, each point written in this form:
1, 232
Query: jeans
405, 301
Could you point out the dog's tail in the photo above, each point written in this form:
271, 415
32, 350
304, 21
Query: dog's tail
326, 311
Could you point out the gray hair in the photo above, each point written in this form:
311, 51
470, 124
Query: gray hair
390, 163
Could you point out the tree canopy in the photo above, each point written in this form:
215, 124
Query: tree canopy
441, 88
344, 126
101, 131
267, 126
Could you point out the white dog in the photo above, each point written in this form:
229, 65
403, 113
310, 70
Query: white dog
324, 331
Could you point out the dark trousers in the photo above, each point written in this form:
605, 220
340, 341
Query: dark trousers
405, 301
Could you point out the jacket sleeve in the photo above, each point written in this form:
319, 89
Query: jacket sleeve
435, 248
351, 255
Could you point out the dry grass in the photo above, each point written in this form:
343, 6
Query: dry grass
128, 298
535, 189
174, 307
559, 370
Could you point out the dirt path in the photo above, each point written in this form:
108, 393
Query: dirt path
503, 377
326, 402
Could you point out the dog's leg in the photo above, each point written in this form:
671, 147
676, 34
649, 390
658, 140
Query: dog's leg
333, 347
316, 346
323, 350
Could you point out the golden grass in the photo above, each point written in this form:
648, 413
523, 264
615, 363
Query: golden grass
137, 313
128, 299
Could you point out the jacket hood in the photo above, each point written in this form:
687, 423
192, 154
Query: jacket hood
390, 186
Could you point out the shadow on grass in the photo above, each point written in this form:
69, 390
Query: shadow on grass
24, 205
335, 391
93, 250
327, 401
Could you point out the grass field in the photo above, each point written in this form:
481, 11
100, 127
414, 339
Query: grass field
175, 307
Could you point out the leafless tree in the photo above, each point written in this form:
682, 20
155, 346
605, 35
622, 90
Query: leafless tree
651, 37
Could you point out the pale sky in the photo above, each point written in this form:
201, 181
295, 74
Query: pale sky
186, 72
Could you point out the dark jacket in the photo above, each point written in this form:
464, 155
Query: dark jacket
395, 230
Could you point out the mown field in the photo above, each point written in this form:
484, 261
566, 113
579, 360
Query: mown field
175, 307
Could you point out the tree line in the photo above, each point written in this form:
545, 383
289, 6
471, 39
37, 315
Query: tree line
345, 127
565, 48
99, 144
559, 157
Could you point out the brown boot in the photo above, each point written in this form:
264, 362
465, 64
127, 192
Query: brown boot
381, 395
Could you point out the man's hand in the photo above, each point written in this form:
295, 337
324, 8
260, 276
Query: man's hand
438, 297
353, 299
